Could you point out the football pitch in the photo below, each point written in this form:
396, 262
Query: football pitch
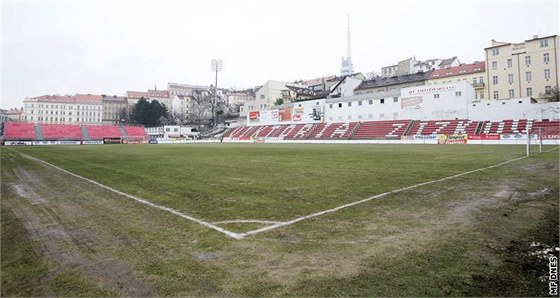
273, 219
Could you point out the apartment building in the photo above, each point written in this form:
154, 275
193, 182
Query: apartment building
77, 109
113, 107
160, 95
133, 97
524, 69
411, 66
267, 94
472, 73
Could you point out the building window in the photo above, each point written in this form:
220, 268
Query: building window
547, 74
330, 106
360, 103
349, 104
528, 60
481, 80
495, 80
436, 95
546, 57
457, 93
510, 78
475, 95
511, 93
547, 90
474, 80
371, 101
509, 63
495, 51
382, 115
340, 105
395, 99
382, 100
544, 43
494, 65
529, 91
528, 76
481, 95
496, 95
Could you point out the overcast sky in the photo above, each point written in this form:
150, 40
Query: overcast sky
109, 47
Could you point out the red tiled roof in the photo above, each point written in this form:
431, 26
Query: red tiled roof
459, 70
54, 98
136, 94
84, 98
158, 93
317, 81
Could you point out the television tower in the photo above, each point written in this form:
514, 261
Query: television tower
347, 68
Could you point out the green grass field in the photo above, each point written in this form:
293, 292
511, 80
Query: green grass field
440, 239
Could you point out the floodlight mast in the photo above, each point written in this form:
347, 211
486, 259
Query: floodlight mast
217, 65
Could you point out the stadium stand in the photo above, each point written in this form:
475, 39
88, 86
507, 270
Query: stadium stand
506, 126
136, 131
300, 131
547, 126
103, 131
62, 132
443, 127
19, 131
22, 131
382, 129
327, 131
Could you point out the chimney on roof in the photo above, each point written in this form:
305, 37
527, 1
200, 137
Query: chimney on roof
535, 36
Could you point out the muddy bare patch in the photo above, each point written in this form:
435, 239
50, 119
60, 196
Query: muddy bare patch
27, 193
54, 218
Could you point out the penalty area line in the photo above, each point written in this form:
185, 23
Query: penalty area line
145, 202
293, 221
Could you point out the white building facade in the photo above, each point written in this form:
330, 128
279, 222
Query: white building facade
56, 109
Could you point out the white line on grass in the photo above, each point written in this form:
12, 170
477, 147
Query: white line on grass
277, 224
264, 222
185, 216
293, 221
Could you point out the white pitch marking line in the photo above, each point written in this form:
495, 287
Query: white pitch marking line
185, 216
265, 222
279, 224
293, 221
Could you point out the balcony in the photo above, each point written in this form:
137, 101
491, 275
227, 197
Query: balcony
478, 85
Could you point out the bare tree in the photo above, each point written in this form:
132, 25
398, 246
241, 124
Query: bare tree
124, 116
552, 96
200, 109
372, 75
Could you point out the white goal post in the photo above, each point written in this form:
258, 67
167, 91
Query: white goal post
538, 140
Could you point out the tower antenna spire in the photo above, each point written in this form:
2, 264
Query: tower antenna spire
347, 68
349, 45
